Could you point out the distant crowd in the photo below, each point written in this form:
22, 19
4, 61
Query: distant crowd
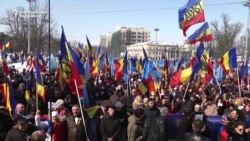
124, 112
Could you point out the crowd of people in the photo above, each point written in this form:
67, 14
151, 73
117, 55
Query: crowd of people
124, 113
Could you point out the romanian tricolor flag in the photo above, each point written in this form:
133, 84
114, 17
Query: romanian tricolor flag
203, 34
185, 75
8, 96
190, 14
39, 81
229, 59
71, 68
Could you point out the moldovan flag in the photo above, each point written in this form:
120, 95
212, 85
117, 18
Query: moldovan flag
71, 67
190, 14
8, 96
203, 34
39, 81
229, 59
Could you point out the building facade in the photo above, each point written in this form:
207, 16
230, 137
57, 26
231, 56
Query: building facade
158, 50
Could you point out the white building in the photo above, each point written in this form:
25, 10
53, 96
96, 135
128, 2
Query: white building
156, 51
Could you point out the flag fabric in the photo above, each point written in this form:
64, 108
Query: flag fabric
39, 81
195, 68
185, 75
4, 64
181, 77
94, 68
138, 66
8, 95
118, 69
150, 84
1, 46
200, 51
142, 88
229, 59
5, 67
218, 72
179, 65
87, 68
133, 65
243, 71
145, 54
41, 62
203, 34
190, 14
71, 67
28, 78
86, 101
147, 69
30, 62
107, 63
89, 51
209, 74
125, 63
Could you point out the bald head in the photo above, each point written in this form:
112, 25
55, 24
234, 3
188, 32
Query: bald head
21, 86
20, 109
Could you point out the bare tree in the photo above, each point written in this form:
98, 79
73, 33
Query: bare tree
17, 22
225, 35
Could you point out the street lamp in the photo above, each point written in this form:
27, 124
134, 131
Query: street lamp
247, 4
156, 30
29, 25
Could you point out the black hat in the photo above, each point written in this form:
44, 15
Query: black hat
112, 107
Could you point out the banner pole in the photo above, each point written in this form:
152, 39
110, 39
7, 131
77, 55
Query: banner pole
238, 81
81, 109
185, 91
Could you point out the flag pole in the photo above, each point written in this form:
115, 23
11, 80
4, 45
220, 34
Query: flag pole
185, 91
238, 81
81, 109
217, 82
248, 83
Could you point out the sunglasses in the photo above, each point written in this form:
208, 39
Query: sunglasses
241, 129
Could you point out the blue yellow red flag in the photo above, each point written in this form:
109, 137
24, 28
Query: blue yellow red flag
203, 34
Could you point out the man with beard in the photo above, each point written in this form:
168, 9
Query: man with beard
20, 131
76, 126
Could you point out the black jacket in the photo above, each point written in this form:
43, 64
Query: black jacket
110, 127
150, 114
158, 130
234, 136
194, 136
16, 135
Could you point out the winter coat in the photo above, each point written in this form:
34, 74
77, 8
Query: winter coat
16, 135
194, 137
150, 114
158, 130
110, 127
76, 131
134, 129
